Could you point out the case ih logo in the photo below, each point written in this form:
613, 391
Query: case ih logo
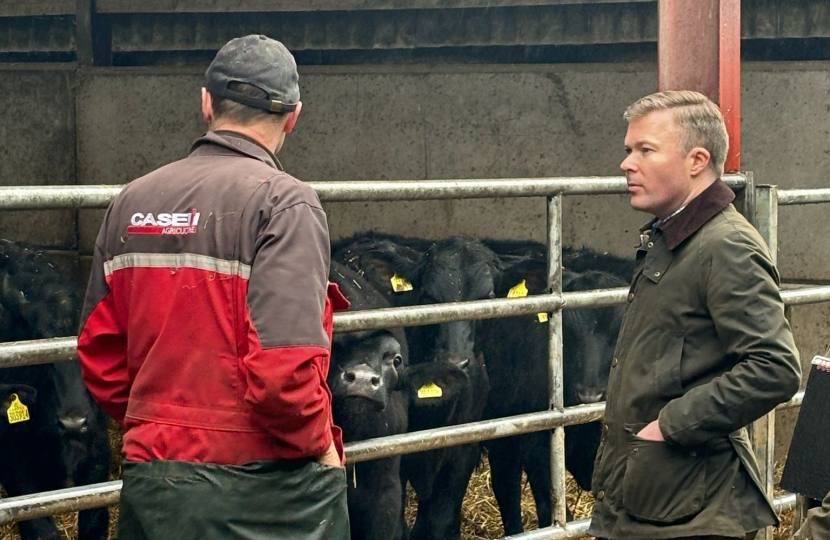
166, 223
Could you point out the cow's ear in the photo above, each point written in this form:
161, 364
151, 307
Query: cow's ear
515, 270
11, 295
26, 394
388, 259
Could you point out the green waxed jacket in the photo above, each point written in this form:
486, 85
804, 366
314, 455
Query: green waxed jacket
704, 347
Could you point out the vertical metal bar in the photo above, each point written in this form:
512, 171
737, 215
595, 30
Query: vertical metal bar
555, 358
802, 505
763, 436
746, 197
766, 216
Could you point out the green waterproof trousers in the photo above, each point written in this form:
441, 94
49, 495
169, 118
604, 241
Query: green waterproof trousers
285, 500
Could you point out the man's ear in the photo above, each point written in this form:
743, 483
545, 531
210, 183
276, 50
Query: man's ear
700, 159
207, 106
291, 121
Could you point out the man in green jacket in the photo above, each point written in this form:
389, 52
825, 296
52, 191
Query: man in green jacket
704, 348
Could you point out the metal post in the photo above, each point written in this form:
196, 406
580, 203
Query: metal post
802, 506
745, 199
555, 358
712, 65
763, 433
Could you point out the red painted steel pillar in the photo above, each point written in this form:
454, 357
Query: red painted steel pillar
699, 48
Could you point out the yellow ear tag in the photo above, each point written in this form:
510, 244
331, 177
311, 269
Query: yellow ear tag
400, 284
429, 391
17, 411
519, 291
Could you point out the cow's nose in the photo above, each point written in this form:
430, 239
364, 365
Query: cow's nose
74, 424
589, 394
460, 363
363, 376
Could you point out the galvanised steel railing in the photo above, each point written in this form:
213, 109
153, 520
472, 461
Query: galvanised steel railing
63, 349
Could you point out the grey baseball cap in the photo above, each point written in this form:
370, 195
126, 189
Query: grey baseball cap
259, 61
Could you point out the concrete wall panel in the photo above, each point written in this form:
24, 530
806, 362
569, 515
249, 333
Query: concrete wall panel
424, 122
37, 147
128, 125
786, 141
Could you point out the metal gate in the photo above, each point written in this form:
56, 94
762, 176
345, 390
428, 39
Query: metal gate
760, 204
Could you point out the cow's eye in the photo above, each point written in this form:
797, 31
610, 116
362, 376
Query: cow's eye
397, 360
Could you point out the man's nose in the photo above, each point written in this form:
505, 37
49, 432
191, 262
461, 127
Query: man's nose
626, 164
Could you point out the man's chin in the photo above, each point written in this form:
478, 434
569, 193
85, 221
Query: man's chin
639, 205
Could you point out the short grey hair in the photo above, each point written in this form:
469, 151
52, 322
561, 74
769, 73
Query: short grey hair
699, 119
226, 109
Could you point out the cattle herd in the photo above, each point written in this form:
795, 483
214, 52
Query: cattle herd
384, 382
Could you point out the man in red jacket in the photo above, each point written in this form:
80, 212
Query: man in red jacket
207, 326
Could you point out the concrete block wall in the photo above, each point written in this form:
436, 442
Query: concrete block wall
109, 125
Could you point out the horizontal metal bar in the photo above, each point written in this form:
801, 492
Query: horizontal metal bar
475, 310
50, 197
56, 197
430, 439
579, 529
44, 351
66, 500
803, 196
807, 295
796, 401
59, 501
38, 351
73, 499
575, 529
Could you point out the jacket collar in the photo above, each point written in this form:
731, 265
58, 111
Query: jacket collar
238, 143
700, 210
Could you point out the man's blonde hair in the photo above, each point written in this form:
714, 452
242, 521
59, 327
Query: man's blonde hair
699, 119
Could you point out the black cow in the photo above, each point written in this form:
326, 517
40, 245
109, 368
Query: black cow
516, 349
574, 259
368, 402
66, 436
447, 381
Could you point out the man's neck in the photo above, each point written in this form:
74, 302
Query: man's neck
700, 184
263, 137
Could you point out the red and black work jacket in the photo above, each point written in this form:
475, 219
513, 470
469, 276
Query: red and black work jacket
207, 324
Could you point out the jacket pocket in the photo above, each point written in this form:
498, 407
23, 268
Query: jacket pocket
662, 483
666, 377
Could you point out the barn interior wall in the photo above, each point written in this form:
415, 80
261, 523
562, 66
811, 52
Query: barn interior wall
110, 125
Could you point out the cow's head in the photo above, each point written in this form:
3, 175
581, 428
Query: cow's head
590, 339
590, 334
366, 366
47, 308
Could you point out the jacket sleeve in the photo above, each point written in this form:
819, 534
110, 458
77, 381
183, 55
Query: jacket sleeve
740, 288
288, 356
102, 342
